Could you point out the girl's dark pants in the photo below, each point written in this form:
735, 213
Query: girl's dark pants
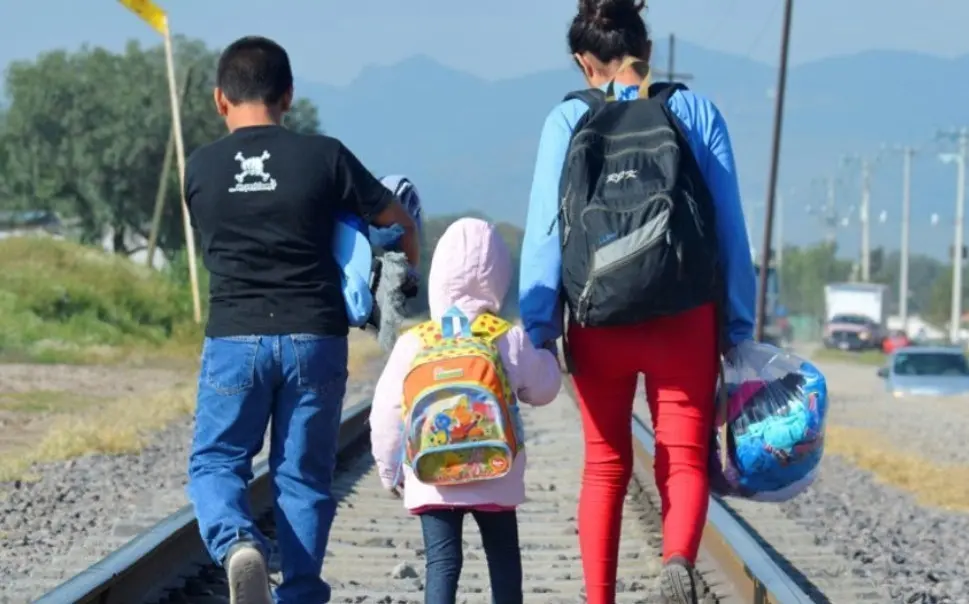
444, 554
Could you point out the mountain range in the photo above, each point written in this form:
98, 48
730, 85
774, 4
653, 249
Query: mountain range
470, 144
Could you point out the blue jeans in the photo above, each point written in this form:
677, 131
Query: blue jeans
444, 554
298, 381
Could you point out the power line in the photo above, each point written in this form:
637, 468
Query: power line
763, 30
712, 34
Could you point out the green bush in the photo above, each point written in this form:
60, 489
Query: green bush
58, 297
177, 272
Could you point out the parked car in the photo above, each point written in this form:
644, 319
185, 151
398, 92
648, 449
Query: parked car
852, 332
926, 371
894, 341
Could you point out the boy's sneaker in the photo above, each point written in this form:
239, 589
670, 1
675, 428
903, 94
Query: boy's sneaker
677, 583
248, 575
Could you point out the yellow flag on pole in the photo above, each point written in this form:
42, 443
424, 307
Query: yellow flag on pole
150, 13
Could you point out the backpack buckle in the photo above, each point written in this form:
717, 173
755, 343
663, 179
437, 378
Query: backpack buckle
449, 318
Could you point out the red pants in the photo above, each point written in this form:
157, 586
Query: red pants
678, 357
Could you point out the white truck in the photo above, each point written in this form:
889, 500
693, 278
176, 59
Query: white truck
855, 315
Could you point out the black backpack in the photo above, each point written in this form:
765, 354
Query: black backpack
636, 218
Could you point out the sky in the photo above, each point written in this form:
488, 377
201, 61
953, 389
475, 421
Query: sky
330, 41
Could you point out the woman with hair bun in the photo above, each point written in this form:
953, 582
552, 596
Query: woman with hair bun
679, 327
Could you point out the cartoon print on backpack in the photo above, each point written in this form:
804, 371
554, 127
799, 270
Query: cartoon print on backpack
462, 423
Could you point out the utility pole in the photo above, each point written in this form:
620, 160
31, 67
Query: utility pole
956, 315
865, 212
670, 74
157, 19
780, 231
774, 168
830, 217
907, 153
162, 190
957, 257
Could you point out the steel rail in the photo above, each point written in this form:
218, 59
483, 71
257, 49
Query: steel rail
169, 551
739, 555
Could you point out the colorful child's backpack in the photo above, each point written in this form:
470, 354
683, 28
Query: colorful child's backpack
461, 420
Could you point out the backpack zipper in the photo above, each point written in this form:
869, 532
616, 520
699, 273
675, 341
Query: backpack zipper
582, 311
563, 214
679, 257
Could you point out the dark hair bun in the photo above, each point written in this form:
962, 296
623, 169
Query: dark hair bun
605, 14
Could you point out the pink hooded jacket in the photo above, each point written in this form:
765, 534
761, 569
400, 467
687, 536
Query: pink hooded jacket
471, 269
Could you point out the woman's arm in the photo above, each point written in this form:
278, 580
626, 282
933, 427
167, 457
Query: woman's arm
709, 140
540, 276
537, 371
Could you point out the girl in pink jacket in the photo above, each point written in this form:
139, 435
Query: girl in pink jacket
471, 270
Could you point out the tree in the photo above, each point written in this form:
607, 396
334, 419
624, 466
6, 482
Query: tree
807, 270
923, 274
85, 133
804, 274
303, 117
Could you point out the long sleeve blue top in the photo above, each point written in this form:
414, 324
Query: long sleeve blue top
541, 257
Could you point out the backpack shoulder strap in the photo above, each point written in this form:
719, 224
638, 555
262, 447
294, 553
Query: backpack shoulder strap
490, 327
593, 97
663, 91
427, 332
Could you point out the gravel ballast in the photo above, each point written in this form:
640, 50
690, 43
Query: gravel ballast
81, 510
920, 554
76, 512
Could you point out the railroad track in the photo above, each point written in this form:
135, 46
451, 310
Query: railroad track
375, 553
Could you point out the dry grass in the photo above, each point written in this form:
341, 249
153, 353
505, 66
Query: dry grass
364, 349
868, 357
942, 485
45, 401
119, 426
124, 425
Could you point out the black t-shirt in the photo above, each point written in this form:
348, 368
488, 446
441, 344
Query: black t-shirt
264, 200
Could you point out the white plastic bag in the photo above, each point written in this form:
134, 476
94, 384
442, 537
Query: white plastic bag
773, 406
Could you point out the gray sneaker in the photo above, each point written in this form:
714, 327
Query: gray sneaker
248, 575
677, 583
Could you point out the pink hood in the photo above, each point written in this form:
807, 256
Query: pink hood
471, 269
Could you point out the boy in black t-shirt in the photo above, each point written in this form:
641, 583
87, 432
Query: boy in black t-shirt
264, 200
